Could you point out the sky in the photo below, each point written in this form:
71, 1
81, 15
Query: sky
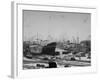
56, 25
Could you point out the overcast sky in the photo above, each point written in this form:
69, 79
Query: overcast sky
56, 24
